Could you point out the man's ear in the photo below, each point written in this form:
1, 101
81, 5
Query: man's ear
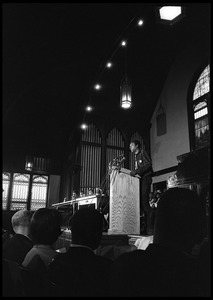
15, 229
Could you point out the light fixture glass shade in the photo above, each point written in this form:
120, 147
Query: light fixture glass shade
125, 94
29, 163
170, 12
84, 126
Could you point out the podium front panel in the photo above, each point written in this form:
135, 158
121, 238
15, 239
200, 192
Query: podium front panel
124, 203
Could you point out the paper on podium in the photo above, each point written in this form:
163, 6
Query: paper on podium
127, 171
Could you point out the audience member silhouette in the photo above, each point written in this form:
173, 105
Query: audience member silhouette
80, 271
5, 234
16, 247
204, 269
167, 267
154, 197
45, 228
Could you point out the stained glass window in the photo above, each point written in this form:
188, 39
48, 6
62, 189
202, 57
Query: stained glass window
5, 189
39, 192
20, 191
200, 107
203, 84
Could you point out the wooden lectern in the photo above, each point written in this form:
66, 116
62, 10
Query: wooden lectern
124, 211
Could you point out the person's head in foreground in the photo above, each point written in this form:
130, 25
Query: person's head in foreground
45, 226
180, 219
21, 222
87, 227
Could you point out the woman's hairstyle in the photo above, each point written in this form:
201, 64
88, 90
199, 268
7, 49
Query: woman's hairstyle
45, 226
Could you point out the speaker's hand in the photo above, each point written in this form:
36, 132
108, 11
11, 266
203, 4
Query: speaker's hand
133, 173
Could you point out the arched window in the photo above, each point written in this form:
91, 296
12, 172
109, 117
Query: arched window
39, 192
28, 191
114, 147
200, 107
20, 191
5, 189
90, 158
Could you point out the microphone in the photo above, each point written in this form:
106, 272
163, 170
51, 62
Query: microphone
122, 159
119, 157
119, 162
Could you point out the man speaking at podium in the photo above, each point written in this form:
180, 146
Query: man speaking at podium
143, 168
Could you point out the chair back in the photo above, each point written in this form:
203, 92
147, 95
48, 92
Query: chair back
19, 281
7, 283
12, 278
33, 283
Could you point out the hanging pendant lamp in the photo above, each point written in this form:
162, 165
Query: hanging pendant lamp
125, 94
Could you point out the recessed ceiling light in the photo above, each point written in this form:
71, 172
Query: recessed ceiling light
109, 64
140, 22
97, 86
84, 126
88, 108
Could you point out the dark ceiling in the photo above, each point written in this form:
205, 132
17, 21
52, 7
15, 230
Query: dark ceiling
54, 53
